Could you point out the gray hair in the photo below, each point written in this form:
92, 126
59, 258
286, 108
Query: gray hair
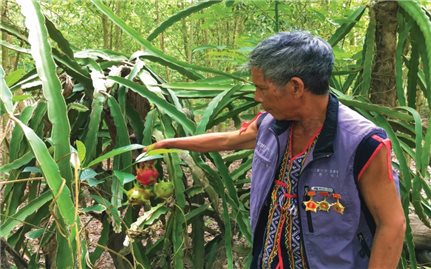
295, 54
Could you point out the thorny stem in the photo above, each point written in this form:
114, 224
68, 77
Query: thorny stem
77, 220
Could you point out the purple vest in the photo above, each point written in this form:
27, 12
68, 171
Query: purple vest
331, 240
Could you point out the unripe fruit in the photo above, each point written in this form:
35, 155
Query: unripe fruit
137, 196
164, 189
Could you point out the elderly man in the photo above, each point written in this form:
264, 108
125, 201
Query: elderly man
323, 194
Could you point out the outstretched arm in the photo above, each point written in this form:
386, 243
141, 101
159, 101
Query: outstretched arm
382, 200
213, 141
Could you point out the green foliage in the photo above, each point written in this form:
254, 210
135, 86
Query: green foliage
108, 101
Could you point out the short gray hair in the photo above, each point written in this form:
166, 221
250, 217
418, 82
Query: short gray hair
295, 54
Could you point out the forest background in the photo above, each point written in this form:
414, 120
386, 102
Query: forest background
85, 84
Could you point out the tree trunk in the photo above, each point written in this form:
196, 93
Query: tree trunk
161, 38
382, 89
186, 37
116, 34
106, 32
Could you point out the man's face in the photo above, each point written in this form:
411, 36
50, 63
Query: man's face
272, 98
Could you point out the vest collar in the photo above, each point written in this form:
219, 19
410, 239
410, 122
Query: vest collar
325, 141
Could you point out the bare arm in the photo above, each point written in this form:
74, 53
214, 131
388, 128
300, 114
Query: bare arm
382, 200
213, 141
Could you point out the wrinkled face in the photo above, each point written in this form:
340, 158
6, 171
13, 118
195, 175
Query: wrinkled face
273, 99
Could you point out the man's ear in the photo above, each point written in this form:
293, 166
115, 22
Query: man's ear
297, 86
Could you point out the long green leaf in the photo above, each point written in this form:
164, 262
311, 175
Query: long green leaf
105, 54
205, 86
47, 163
345, 28
58, 37
99, 100
13, 47
11, 29
403, 33
162, 104
17, 163
213, 106
417, 14
426, 152
17, 135
187, 72
228, 234
413, 68
180, 15
376, 108
115, 152
50, 171
123, 161
424, 75
148, 127
241, 214
232, 113
149, 47
5, 94
72, 68
11, 222
57, 110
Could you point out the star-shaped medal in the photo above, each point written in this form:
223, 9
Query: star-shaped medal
310, 205
324, 205
338, 207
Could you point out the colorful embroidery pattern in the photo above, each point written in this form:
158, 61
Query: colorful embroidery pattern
283, 231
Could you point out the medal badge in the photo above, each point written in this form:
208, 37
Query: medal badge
310, 205
337, 206
324, 205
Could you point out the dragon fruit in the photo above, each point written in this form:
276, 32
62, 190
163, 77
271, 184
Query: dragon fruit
164, 189
147, 175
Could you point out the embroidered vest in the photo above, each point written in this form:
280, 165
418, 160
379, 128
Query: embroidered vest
331, 240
